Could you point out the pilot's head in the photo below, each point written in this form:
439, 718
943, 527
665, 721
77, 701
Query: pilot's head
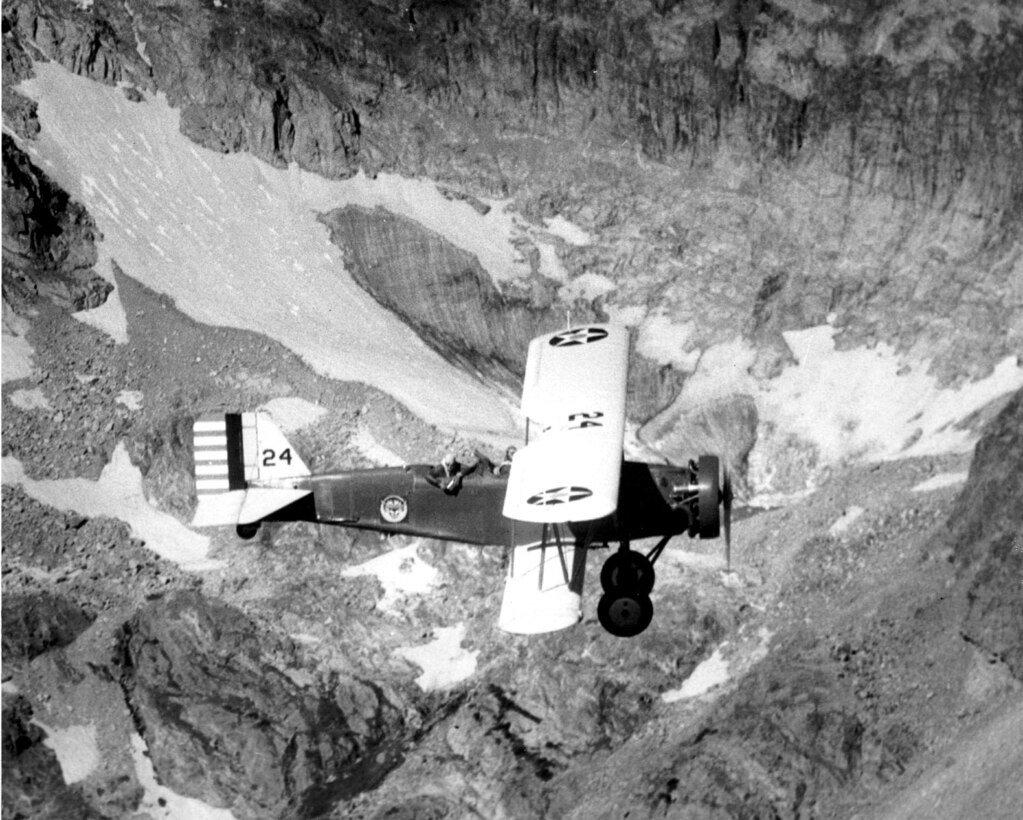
509, 454
448, 461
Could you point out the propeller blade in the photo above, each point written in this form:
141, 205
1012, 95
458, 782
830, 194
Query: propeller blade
726, 500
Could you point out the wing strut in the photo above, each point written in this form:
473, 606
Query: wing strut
548, 530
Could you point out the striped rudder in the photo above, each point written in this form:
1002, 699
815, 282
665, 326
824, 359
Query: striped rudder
219, 460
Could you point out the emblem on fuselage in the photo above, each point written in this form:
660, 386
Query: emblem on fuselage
394, 509
578, 336
559, 495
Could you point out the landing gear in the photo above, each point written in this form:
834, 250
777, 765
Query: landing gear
625, 608
247, 531
625, 613
628, 570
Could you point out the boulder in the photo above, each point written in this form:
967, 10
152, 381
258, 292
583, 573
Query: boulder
38, 621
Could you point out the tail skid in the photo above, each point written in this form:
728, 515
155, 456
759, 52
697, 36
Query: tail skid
245, 469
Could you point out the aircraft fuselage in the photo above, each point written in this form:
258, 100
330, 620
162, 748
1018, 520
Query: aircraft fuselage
400, 500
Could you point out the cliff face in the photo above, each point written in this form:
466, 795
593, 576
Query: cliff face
860, 162
920, 101
986, 529
48, 239
444, 293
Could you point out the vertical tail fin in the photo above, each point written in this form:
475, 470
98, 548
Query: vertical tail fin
266, 454
242, 465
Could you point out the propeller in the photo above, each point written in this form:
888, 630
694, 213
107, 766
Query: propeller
726, 501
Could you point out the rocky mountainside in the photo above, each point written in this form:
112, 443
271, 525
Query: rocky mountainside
742, 169
858, 163
863, 637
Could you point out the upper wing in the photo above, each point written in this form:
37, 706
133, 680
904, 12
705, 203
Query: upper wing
575, 389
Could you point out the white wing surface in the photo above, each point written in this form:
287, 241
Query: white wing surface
575, 390
543, 589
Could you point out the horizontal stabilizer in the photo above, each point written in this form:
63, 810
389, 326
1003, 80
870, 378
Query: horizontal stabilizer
218, 509
243, 506
261, 502
537, 596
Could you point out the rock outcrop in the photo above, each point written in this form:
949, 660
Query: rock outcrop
303, 82
49, 240
33, 785
444, 293
726, 426
33, 624
986, 529
211, 694
863, 161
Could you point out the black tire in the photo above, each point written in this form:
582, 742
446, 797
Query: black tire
627, 571
247, 531
708, 515
625, 614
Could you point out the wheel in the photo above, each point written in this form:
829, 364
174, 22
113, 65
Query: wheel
709, 496
625, 614
628, 571
247, 531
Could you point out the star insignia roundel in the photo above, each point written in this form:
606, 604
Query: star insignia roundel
559, 495
578, 336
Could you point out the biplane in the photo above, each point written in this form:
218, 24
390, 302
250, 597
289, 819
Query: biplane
569, 490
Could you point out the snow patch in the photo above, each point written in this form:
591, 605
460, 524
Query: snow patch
256, 237
17, 358
711, 672
666, 342
132, 399
722, 371
161, 803
31, 399
940, 481
870, 405
292, 413
15, 351
444, 662
569, 231
401, 572
76, 748
588, 286
845, 521
118, 494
